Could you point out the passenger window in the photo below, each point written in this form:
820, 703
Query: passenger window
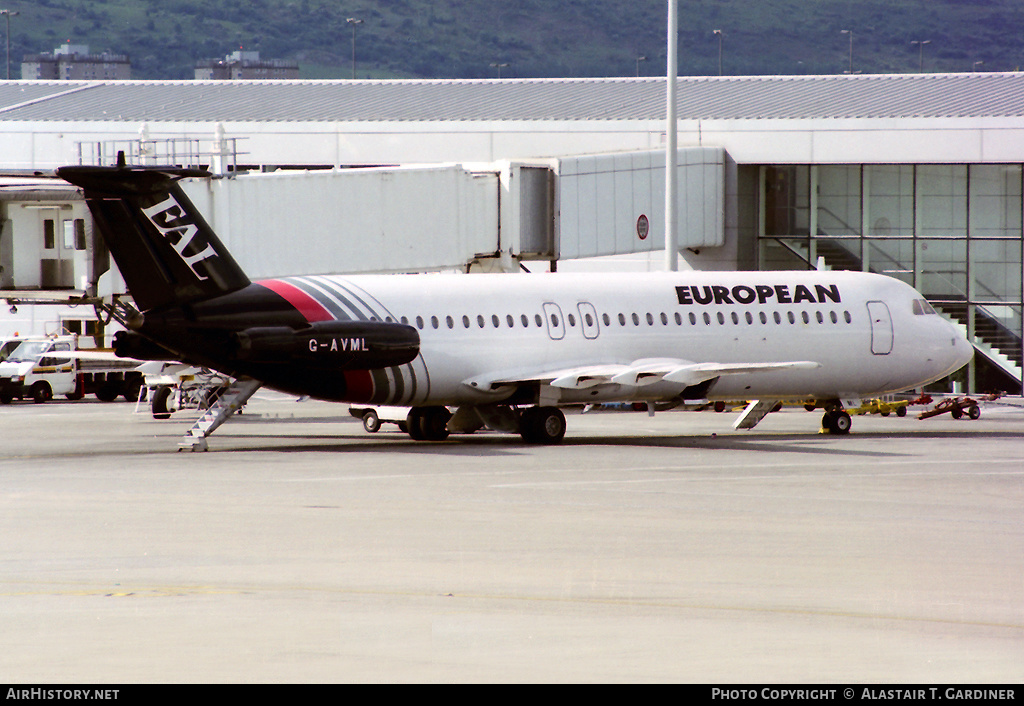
539, 319
606, 319
526, 320
480, 320
693, 319
806, 318
495, 321
846, 315
650, 319
419, 322
832, 315
450, 321
679, 319
510, 321
465, 321
622, 319
433, 321
778, 317
572, 320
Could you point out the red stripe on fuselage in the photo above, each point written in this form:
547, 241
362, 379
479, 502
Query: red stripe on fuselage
304, 303
359, 384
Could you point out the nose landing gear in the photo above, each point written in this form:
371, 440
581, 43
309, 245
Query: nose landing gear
836, 421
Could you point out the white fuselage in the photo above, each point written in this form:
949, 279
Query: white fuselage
480, 335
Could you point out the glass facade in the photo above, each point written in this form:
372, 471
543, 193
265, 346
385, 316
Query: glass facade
953, 231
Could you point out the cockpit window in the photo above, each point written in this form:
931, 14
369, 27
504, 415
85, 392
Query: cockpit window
922, 307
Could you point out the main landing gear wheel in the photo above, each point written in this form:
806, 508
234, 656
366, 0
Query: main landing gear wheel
836, 421
428, 423
542, 425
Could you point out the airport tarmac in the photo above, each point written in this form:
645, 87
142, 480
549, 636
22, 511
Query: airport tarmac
302, 549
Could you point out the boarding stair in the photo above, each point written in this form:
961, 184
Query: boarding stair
229, 402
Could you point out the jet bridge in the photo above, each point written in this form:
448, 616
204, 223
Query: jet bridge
469, 217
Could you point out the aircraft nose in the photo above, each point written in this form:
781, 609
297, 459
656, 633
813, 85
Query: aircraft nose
963, 350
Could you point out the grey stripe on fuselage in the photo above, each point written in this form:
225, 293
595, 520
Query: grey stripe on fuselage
329, 299
348, 304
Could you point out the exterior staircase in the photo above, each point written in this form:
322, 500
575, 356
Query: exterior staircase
998, 345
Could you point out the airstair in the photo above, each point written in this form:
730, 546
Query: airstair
229, 402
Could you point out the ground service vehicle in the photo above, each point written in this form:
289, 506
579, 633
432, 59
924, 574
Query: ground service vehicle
44, 366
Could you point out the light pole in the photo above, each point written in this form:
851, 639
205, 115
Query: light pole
849, 32
355, 23
671, 140
8, 13
719, 33
920, 52
638, 60
499, 67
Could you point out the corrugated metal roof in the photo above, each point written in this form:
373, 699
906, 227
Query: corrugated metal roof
725, 98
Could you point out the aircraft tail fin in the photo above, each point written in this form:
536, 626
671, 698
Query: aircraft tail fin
164, 248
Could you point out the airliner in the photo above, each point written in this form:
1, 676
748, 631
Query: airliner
506, 351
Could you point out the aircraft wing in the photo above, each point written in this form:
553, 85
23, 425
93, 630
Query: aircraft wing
569, 378
699, 372
636, 374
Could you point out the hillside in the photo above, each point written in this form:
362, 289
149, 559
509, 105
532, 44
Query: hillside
535, 38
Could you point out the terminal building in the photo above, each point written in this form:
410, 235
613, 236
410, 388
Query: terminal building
915, 176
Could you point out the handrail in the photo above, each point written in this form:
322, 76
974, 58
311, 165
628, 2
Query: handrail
178, 151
